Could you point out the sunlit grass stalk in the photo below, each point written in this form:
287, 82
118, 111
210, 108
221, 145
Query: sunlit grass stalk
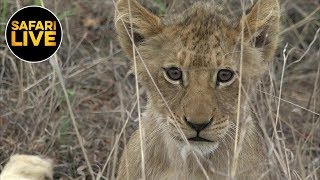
54, 63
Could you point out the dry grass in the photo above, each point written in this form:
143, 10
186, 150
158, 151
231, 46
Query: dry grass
100, 89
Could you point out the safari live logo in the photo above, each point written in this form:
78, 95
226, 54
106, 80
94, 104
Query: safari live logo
33, 34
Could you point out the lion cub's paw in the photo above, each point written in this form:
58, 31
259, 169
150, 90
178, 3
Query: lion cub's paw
27, 167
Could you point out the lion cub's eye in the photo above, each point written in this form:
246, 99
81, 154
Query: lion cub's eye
224, 75
174, 73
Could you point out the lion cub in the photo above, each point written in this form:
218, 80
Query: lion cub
194, 72
196, 126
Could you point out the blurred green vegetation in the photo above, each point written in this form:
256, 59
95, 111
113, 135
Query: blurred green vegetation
162, 7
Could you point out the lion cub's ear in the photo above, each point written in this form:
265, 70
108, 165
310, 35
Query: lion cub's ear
144, 24
261, 26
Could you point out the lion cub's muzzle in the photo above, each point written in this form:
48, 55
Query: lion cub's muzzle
198, 127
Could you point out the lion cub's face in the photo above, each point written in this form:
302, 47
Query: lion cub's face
194, 61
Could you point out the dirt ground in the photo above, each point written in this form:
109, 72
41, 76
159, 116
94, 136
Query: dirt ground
34, 115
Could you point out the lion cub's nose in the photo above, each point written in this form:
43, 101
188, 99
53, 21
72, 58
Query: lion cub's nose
196, 126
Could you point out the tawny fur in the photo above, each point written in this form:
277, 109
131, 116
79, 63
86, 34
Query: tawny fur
27, 167
200, 41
